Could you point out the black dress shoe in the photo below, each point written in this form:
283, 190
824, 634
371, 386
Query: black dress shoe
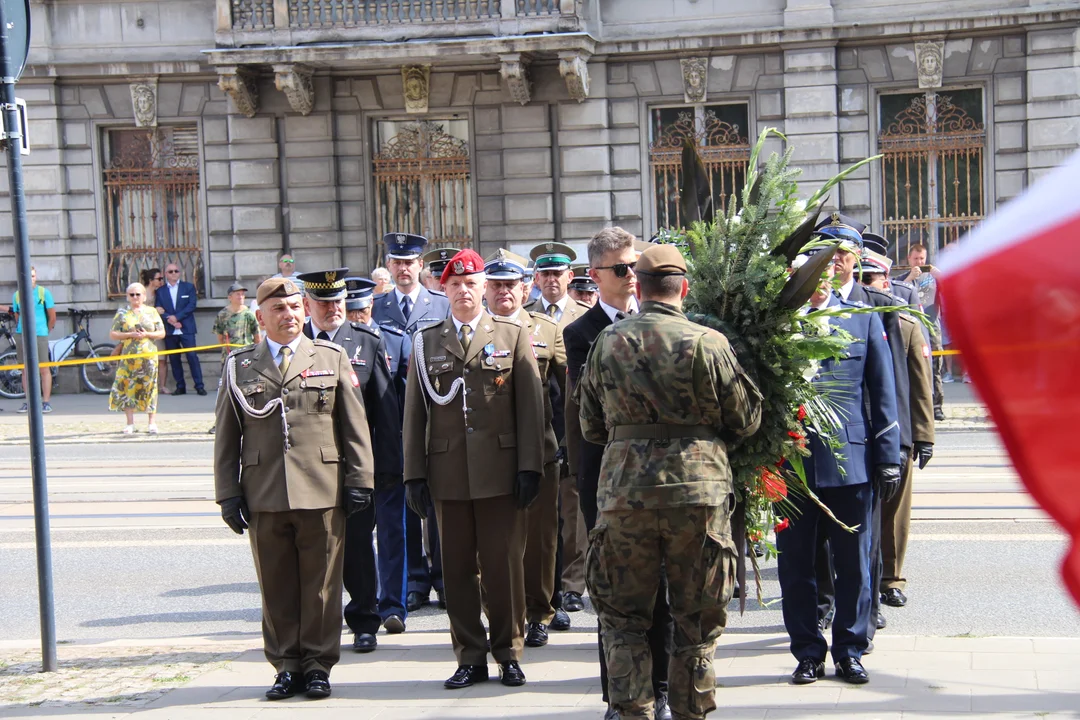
572, 602
939, 414
809, 670
466, 676
415, 600
510, 674
852, 671
561, 621
894, 597
179, 391
880, 622
286, 684
364, 642
537, 635
663, 710
201, 392
394, 625
869, 647
318, 684
441, 595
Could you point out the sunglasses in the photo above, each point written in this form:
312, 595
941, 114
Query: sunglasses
288, 262
173, 272
134, 294
159, 278
620, 269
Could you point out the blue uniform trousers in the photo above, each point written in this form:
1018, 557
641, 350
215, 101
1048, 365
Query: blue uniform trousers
375, 596
425, 572
798, 547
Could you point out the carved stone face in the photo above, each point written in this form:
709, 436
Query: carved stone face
930, 63
415, 89
143, 98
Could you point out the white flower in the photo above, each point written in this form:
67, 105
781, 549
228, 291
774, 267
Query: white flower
799, 206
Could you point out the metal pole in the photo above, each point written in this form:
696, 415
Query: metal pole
31, 376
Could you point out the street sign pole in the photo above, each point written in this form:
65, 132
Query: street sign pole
13, 27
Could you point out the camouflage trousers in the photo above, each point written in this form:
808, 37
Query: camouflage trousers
628, 551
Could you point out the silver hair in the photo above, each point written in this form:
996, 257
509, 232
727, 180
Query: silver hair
612, 239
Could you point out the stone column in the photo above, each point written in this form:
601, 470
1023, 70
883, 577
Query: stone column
1053, 94
811, 123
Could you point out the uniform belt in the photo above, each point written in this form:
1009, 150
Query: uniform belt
662, 432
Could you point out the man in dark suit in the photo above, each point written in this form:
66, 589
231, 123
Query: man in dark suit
175, 302
407, 308
611, 259
869, 464
324, 301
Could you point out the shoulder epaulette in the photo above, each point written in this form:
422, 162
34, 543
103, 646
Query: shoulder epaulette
246, 348
511, 321
543, 317
364, 327
328, 344
437, 293
892, 299
380, 296
391, 330
853, 303
582, 305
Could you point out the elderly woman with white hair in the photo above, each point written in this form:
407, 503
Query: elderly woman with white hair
135, 388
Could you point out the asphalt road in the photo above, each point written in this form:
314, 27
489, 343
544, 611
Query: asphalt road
139, 550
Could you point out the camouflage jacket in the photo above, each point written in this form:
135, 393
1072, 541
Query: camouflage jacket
657, 367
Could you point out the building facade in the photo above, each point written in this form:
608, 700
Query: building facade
216, 133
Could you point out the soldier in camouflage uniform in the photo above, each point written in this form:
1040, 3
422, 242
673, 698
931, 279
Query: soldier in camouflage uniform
666, 395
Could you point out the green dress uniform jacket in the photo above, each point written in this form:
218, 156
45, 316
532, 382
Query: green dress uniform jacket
474, 446
330, 446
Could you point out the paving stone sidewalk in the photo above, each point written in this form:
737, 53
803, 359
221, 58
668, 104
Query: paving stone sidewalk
207, 679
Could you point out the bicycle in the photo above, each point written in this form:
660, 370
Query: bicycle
97, 377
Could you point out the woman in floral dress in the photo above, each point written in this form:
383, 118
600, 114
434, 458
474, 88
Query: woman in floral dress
135, 388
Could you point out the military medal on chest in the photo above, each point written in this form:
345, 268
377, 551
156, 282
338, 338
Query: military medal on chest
489, 352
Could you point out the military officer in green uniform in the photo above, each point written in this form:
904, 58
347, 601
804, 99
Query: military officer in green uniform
474, 443
505, 272
292, 458
666, 396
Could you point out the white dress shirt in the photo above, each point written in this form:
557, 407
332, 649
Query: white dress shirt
174, 291
474, 323
612, 311
845, 289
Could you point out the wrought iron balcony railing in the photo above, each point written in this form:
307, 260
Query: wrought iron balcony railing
289, 22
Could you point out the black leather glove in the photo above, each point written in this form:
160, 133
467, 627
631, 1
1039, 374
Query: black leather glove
234, 512
924, 451
887, 481
357, 500
526, 488
418, 497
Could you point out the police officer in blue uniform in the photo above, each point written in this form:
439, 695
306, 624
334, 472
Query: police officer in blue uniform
864, 390
407, 308
325, 303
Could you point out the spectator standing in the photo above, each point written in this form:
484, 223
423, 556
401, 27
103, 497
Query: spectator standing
135, 388
236, 323
45, 322
924, 277
153, 279
383, 282
176, 302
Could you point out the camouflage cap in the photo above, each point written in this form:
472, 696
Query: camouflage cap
275, 288
661, 260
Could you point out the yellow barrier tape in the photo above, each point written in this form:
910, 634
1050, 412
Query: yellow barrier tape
118, 358
940, 353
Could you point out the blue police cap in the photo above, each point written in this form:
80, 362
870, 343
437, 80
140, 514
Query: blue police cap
581, 280
360, 293
875, 243
325, 284
843, 228
404, 246
505, 265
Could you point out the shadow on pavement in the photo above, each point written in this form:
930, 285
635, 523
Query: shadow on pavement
252, 588
249, 615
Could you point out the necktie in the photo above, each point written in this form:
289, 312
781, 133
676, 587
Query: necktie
406, 306
323, 335
620, 315
551, 310
465, 335
283, 360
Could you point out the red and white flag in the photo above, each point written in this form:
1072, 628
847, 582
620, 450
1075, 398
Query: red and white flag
1012, 304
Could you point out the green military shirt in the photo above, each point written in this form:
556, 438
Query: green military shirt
240, 327
658, 368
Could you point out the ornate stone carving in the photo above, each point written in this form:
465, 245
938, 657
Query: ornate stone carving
515, 71
242, 85
295, 81
695, 75
575, 71
930, 62
415, 82
144, 101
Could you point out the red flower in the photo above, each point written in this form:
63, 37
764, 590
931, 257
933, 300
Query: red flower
802, 413
796, 435
755, 536
774, 486
782, 525
781, 461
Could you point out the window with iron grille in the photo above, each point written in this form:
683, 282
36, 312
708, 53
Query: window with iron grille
422, 180
932, 169
719, 134
152, 214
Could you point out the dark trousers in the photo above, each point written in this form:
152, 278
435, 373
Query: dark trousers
661, 634
425, 571
176, 342
298, 560
798, 547
483, 547
875, 565
376, 583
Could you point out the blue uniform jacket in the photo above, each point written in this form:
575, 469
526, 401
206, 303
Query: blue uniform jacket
398, 351
185, 306
429, 308
866, 367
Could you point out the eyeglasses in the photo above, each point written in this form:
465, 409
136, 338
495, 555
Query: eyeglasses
287, 262
159, 278
620, 269
134, 294
171, 272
